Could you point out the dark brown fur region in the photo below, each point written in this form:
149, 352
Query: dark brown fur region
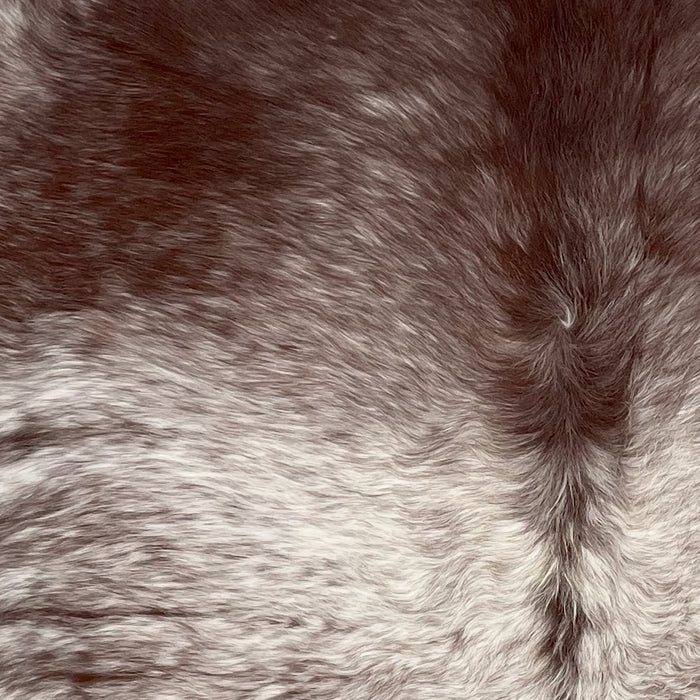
349, 350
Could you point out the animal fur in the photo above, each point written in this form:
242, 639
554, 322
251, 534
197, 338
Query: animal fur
350, 351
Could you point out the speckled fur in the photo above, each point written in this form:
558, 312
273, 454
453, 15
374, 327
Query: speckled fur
349, 351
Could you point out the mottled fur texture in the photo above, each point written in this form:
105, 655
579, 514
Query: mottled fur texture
350, 350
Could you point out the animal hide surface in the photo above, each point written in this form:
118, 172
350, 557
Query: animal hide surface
350, 350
